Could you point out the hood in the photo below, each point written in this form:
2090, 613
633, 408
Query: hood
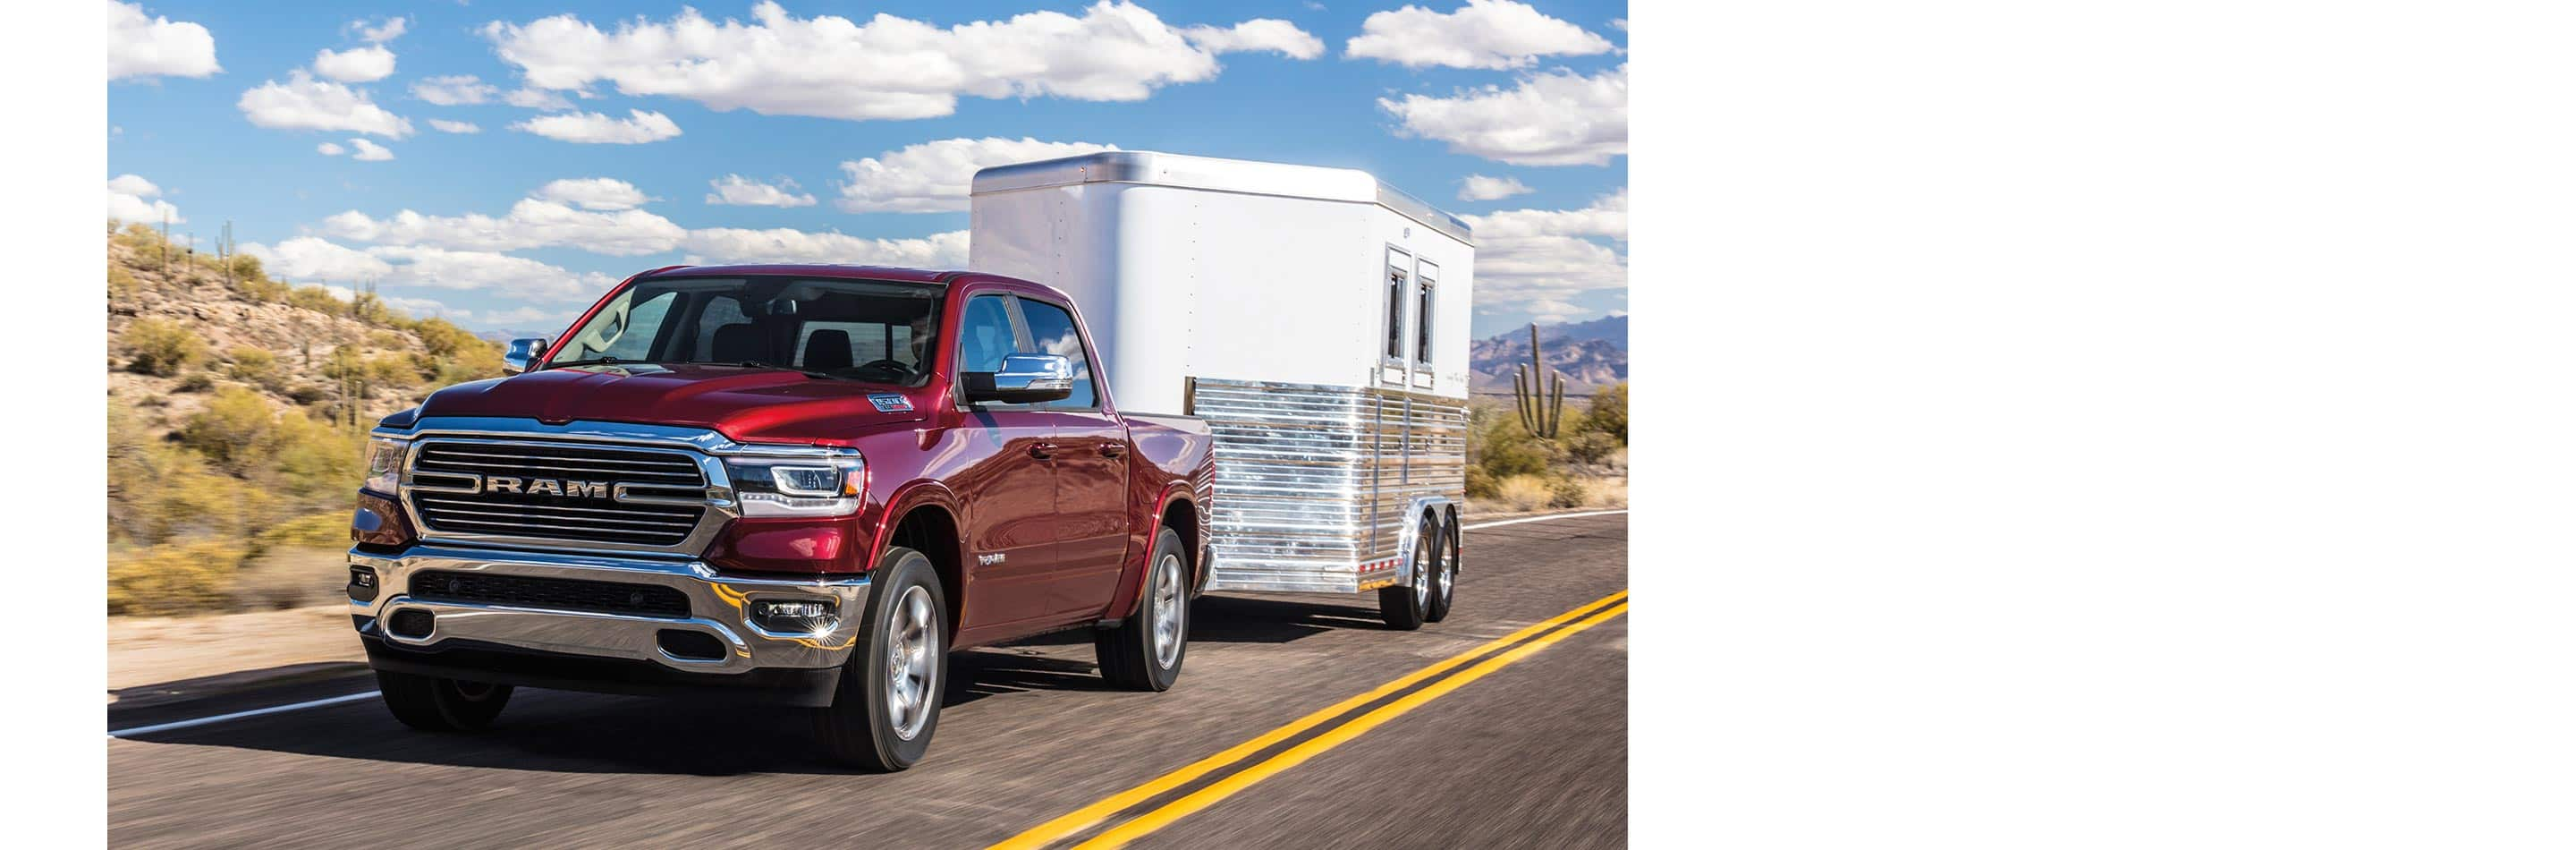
747, 405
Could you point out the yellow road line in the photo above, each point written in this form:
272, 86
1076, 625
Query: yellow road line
1148, 822
1085, 817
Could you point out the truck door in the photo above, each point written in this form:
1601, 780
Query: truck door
1008, 488
1091, 500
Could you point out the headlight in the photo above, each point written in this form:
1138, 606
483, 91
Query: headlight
807, 487
384, 463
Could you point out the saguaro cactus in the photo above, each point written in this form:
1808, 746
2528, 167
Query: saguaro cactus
1542, 408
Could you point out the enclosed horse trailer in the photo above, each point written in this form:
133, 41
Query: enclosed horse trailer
1316, 318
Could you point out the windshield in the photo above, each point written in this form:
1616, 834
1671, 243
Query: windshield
863, 330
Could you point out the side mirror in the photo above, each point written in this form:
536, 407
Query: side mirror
523, 353
1023, 379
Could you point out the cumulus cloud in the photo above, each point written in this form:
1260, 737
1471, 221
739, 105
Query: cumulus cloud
142, 45
737, 190
1269, 34
445, 126
593, 193
1478, 187
530, 223
593, 128
457, 90
379, 33
885, 68
789, 245
369, 151
538, 99
1538, 260
305, 103
355, 65
131, 198
315, 258
330, 149
936, 176
1557, 118
1492, 34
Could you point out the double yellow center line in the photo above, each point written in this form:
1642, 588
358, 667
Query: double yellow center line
1496, 654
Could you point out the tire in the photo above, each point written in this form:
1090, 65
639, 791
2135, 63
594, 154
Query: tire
1404, 606
1444, 586
1145, 651
433, 704
887, 705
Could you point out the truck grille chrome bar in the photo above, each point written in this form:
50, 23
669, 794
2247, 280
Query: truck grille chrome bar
563, 493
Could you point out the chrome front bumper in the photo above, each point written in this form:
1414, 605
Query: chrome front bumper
718, 606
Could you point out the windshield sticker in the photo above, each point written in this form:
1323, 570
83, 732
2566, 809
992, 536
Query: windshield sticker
890, 402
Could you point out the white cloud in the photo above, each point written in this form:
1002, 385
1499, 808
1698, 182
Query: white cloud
1491, 34
422, 307
1556, 118
547, 318
369, 151
1537, 260
593, 193
885, 68
538, 99
390, 29
130, 198
788, 245
485, 271
1622, 25
330, 149
530, 223
737, 190
1269, 34
936, 176
1478, 187
141, 45
445, 126
458, 90
309, 258
594, 128
304, 103
355, 65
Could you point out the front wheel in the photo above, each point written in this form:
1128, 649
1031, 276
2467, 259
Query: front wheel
1144, 653
433, 704
887, 706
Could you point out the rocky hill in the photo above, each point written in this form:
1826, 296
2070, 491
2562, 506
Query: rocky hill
1592, 355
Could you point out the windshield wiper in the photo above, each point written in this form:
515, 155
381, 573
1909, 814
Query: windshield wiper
756, 364
595, 361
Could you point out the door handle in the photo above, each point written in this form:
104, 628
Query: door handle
1042, 451
1112, 450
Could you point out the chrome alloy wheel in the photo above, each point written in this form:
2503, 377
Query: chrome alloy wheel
1447, 574
1169, 611
912, 662
1423, 553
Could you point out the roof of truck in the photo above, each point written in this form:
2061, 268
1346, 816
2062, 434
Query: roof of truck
834, 271
1246, 176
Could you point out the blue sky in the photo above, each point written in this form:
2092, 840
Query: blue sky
225, 111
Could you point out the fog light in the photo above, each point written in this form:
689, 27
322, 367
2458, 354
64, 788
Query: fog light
362, 584
794, 617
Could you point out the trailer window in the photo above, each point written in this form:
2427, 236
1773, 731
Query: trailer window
1395, 298
1430, 277
1052, 331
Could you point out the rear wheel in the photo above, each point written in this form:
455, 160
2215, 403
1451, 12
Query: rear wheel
1444, 581
1404, 606
1144, 653
887, 706
433, 704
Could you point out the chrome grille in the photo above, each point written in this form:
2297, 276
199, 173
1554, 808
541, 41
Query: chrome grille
650, 473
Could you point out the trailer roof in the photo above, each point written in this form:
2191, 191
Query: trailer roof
1222, 175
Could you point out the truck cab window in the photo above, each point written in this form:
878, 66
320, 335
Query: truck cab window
625, 329
984, 334
1051, 331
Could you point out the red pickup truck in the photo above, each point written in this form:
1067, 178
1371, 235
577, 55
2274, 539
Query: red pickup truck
797, 483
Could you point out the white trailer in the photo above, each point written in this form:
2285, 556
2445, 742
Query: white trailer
1315, 317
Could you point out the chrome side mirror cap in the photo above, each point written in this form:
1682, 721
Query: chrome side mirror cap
1023, 379
523, 353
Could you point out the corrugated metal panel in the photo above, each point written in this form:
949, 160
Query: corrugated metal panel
1313, 482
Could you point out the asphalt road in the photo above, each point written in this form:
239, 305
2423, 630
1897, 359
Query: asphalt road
1528, 748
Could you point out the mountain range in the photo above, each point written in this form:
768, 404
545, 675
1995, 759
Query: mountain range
1592, 355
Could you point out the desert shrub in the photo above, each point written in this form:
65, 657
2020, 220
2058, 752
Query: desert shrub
1609, 413
381, 338
1482, 484
1523, 493
307, 393
1502, 448
310, 530
1591, 446
172, 578
234, 425
318, 299
391, 370
157, 346
1566, 493
121, 283
196, 382
258, 366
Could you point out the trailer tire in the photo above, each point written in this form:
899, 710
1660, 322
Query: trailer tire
1404, 607
433, 704
1444, 587
1144, 652
899, 667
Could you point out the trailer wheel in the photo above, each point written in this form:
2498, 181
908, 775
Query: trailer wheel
1405, 606
1144, 653
1444, 586
887, 706
433, 704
